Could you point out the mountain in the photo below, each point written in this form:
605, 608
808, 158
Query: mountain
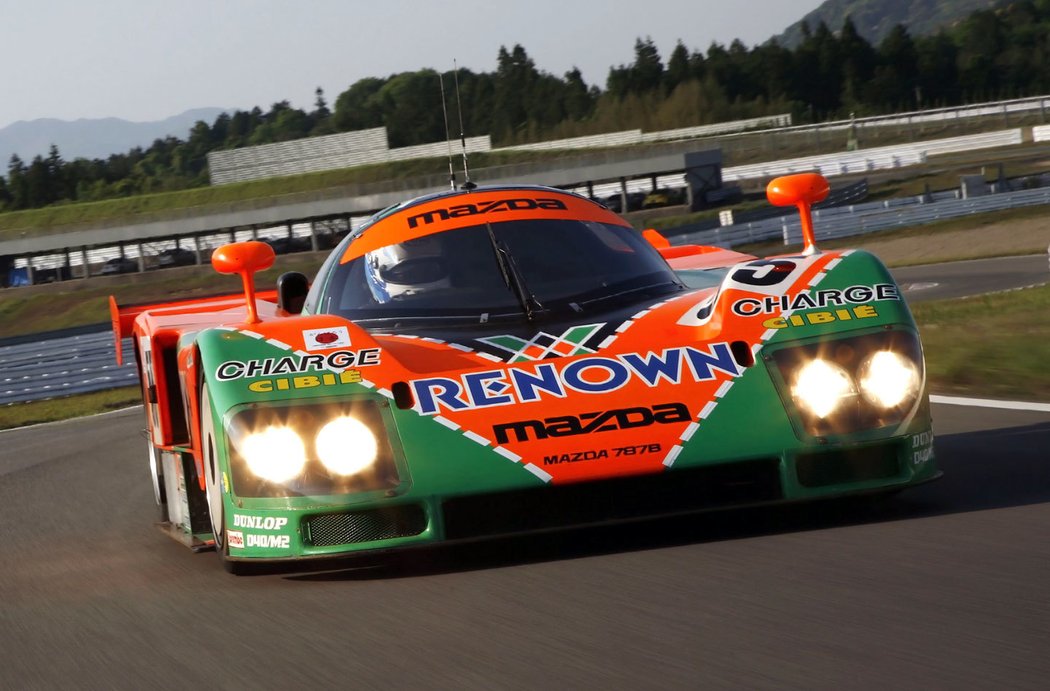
875, 18
92, 138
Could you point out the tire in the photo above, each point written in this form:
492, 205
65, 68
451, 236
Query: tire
213, 483
157, 475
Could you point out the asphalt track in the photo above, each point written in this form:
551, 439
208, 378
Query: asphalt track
972, 277
943, 587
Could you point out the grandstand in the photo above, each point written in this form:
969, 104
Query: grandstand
314, 154
362, 147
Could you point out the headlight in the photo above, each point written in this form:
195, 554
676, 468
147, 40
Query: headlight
298, 449
275, 454
852, 384
821, 386
346, 446
887, 379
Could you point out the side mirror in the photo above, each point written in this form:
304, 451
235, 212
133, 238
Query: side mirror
802, 190
655, 238
244, 258
292, 288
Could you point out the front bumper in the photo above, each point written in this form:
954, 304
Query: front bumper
261, 534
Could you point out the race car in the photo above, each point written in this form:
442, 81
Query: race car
500, 360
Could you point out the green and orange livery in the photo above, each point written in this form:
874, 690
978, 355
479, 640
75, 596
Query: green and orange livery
517, 359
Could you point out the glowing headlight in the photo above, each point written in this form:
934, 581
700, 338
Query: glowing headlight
820, 386
887, 379
275, 454
346, 446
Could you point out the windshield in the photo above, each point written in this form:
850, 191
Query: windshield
703, 278
491, 270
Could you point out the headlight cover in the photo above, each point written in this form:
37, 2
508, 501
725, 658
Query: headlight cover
852, 384
274, 453
822, 387
888, 379
310, 449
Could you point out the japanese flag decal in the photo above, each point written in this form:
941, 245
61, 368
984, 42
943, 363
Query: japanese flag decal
326, 339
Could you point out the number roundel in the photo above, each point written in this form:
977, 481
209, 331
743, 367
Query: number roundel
764, 273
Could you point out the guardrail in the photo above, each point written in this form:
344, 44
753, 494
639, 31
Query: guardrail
773, 121
627, 137
83, 363
830, 165
859, 219
880, 158
1017, 106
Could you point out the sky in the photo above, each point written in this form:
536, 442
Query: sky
145, 60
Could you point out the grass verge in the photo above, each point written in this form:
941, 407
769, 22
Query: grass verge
985, 346
993, 345
35, 412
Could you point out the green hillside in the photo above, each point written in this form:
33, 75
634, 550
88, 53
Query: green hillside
875, 18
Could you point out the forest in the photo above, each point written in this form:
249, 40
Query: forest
990, 55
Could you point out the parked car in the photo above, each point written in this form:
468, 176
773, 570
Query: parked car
119, 265
634, 202
664, 196
176, 256
288, 245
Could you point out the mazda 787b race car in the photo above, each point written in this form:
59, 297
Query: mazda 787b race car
500, 360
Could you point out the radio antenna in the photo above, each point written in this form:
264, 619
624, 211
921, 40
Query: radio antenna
448, 139
467, 185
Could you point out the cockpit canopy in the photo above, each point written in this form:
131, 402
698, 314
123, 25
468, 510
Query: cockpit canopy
500, 269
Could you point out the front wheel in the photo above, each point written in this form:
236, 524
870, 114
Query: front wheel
157, 475
213, 483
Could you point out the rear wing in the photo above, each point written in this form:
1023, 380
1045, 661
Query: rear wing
123, 317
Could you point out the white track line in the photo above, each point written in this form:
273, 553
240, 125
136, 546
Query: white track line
989, 403
70, 419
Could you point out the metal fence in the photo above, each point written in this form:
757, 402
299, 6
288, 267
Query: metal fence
880, 158
36, 370
859, 219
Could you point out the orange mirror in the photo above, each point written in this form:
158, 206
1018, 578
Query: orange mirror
803, 188
244, 258
239, 257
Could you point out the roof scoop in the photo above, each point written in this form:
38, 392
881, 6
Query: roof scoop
802, 190
245, 258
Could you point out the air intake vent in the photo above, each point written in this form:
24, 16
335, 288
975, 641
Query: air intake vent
676, 491
841, 467
327, 530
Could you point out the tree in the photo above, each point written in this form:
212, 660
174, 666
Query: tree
774, 66
5, 195
320, 105
858, 64
516, 77
678, 68
356, 108
39, 190
647, 72
321, 117
16, 183
411, 104
937, 77
980, 38
579, 100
